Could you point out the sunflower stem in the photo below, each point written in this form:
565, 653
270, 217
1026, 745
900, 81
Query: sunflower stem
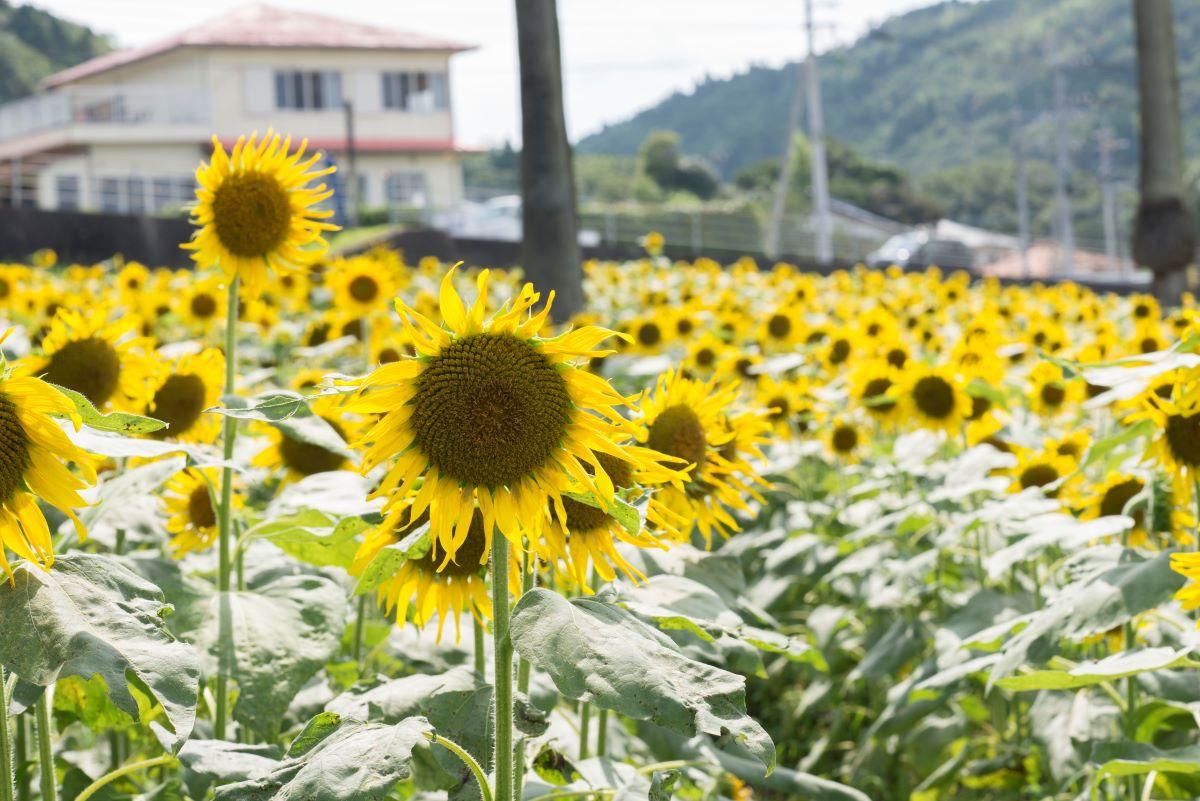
528, 579
132, 767
480, 655
21, 759
45, 735
485, 792
602, 734
585, 726
503, 666
224, 513
7, 776
358, 631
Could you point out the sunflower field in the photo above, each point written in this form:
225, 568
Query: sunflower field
764, 534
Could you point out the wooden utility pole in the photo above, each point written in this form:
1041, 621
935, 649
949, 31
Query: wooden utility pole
1163, 239
550, 249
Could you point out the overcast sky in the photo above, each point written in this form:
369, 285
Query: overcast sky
619, 56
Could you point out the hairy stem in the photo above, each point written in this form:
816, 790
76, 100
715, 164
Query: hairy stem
132, 767
225, 513
45, 736
480, 777
503, 666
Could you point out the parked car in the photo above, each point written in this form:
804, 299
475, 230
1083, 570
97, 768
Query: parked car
917, 249
498, 218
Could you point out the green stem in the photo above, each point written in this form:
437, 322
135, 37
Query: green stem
7, 776
225, 511
480, 777
503, 667
133, 767
528, 579
21, 761
602, 734
585, 725
480, 654
48, 776
558, 794
358, 631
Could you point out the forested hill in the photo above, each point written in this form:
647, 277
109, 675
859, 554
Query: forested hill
35, 43
937, 87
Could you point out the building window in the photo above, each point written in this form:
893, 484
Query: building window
135, 194
110, 195
304, 90
406, 189
415, 91
66, 190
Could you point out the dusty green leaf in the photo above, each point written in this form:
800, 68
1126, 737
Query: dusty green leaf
601, 652
114, 422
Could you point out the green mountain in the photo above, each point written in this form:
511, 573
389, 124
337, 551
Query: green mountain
939, 88
35, 43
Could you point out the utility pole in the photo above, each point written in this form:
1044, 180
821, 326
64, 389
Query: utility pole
1062, 164
816, 135
1108, 206
1021, 181
787, 166
351, 181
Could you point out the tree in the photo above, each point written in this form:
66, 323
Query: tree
658, 158
1163, 238
550, 247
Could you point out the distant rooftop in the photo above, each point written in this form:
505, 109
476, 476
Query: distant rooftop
262, 25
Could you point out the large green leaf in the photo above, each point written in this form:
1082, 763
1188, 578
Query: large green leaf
1131, 759
1117, 666
1114, 585
215, 762
678, 602
312, 536
357, 762
281, 633
456, 703
600, 652
92, 616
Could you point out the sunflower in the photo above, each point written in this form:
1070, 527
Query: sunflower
1045, 470
845, 439
876, 386
300, 458
650, 334
254, 209
99, 359
35, 453
202, 303
779, 398
1176, 443
697, 422
429, 584
191, 513
935, 398
490, 414
1152, 509
580, 535
361, 285
179, 391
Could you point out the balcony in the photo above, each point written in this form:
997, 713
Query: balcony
82, 114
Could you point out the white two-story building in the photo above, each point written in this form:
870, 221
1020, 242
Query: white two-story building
124, 132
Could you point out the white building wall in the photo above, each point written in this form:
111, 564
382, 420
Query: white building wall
237, 87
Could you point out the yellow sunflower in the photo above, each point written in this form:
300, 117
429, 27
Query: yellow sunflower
696, 423
1045, 470
935, 398
490, 414
1175, 445
845, 438
361, 285
99, 359
300, 458
876, 386
177, 392
34, 453
255, 209
192, 515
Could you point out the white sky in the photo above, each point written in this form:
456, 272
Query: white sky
619, 56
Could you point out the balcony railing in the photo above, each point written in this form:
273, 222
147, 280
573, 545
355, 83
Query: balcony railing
104, 105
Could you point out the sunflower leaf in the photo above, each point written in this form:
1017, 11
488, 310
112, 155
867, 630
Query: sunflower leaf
269, 408
92, 616
115, 422
602, 653
630, 517
312, 537
1117, 666
390, 557
1132, 759
357, 762
282, 632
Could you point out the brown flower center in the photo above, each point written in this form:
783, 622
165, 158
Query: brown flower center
89, 366
14, 450
251, 214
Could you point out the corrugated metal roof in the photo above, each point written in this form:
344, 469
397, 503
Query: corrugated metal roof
262, 25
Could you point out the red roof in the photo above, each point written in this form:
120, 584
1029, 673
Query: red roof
261, 25
368, 145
